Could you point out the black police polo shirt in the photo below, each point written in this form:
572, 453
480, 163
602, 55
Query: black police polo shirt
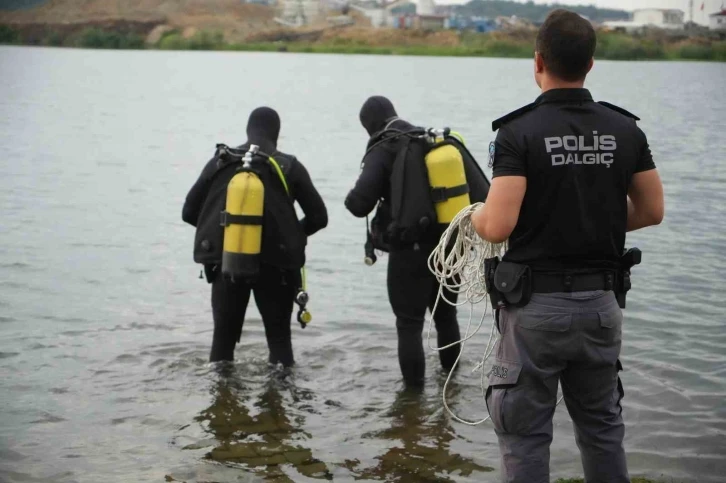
579, 157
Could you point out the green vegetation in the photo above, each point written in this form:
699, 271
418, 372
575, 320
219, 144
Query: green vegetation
715, 51
96, 38
611, 45
53, 39
625, 47
203, 40
495, 49
8, 35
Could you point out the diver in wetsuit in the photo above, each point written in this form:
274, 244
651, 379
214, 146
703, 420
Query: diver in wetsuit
283, 249
412, 288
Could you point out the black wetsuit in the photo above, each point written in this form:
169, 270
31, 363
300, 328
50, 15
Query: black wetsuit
276, 287
412, 288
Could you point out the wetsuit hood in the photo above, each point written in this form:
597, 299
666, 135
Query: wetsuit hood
263, 128
376, 112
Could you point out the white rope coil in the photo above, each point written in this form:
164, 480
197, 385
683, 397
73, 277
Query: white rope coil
457, 262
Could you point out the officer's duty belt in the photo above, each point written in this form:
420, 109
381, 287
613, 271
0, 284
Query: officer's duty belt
550, 283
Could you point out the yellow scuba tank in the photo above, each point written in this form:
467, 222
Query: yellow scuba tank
242, 221
447, 178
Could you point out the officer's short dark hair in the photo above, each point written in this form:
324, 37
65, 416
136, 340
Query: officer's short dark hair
566, 42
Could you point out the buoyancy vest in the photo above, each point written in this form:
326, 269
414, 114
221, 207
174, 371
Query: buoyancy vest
283, 240
431, 181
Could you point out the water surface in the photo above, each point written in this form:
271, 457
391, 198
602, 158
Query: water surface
105, 326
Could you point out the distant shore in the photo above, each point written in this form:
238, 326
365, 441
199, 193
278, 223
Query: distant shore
611, 45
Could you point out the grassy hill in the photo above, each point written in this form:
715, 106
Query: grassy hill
233, 17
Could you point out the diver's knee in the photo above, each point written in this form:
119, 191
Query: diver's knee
409, 324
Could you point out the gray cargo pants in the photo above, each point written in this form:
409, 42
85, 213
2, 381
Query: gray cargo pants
569, 337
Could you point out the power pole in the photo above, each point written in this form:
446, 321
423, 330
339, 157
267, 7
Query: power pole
690, 10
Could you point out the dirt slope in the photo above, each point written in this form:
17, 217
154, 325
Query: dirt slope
233, 17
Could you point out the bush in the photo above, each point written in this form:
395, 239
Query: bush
502, 48
258, 47
171, 41
202, 40
96, 38
695, 52
53, 39
719, 51
207, 41
618, 47
8, 35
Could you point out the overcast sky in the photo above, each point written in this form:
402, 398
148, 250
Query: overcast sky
711, 6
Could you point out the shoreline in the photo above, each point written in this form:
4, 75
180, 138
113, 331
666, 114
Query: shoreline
385, 52
393, 51
514, 45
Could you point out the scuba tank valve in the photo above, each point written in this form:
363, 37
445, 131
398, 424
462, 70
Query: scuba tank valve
437, 135
247, 158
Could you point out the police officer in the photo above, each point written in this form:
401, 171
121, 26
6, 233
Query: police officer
279, 276
570, 177
412, 288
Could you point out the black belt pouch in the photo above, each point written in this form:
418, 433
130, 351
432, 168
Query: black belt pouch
514, 283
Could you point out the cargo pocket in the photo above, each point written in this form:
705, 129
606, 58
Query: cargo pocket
503, 377
611, 324
548, 322
612, 319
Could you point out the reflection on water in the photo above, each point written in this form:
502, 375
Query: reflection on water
258, 434
255, 423
424, 434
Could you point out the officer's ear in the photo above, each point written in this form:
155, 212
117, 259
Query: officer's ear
539, 64
538, 69
590, 65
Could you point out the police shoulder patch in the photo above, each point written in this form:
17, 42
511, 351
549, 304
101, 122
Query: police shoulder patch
492, 152
512, 115
619, 109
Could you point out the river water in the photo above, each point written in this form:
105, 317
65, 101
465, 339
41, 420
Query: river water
105, 326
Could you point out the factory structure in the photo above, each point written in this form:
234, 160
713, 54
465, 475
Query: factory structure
427, 15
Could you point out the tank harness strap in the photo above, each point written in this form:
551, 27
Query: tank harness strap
303, 272
440, 194
456, 135
279, 173
226, 219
